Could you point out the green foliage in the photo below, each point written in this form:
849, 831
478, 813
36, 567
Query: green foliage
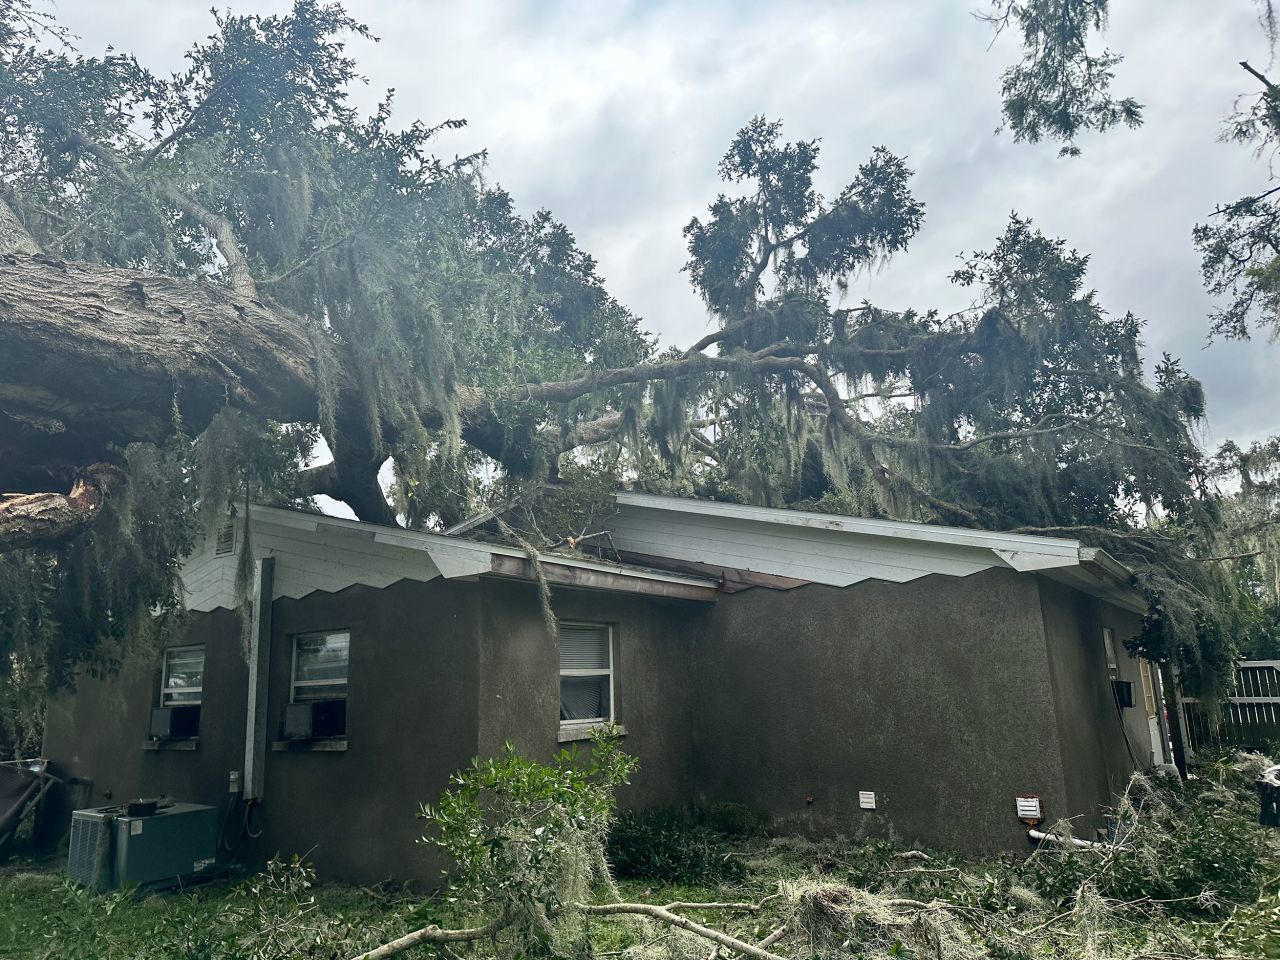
671, 846
1195, 845
1059, 88
562, 515
1253, 929
278, 914
1198, 880
1237, 244
116, 591
409, 271
526, 840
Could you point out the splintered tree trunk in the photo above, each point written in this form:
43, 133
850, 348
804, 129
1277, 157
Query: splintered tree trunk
93, 358
39, 519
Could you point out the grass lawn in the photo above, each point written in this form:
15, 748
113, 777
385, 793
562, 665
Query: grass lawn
281, 914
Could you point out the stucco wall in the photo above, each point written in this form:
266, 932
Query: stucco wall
946, 696
1096, 758
96, 733
653, 639
439, 672
935, 694
411, 721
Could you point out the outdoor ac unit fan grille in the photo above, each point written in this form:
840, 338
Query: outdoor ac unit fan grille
90, 845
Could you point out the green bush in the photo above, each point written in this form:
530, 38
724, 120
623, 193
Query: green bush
671, 846
735, 821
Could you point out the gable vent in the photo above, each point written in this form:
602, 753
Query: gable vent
226, 544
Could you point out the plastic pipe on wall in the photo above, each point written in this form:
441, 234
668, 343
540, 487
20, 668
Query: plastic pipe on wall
1035, 834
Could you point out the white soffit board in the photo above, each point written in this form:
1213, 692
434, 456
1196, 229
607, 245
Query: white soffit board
315, 552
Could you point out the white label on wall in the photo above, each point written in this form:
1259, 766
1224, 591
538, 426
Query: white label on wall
867, 799
135, 827
1028, 808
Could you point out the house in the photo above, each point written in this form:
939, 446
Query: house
845, 675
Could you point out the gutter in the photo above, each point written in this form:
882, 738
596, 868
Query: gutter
255, 727
1113, 576
1108, 565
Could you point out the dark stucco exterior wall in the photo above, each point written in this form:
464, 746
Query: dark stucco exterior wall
411, 721
933, 694
1101, 745
95, 734
945, 696
653, 640
439, 673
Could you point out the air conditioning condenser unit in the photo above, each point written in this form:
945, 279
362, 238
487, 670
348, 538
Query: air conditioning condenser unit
110, 849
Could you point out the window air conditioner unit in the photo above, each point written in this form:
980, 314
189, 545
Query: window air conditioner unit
171, 845
175, 723
1123, 691
316, 719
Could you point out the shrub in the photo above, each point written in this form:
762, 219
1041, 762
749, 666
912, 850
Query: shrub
671, 846
526, 840
735, 820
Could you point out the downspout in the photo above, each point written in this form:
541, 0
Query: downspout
255, 724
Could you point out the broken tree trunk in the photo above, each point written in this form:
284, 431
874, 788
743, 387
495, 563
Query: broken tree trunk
44, 519
93, 358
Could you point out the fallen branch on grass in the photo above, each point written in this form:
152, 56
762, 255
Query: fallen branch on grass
431, 934
684, 923
437, 935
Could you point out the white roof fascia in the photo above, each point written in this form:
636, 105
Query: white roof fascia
896, 529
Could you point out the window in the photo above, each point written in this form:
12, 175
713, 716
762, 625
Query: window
586, 673
1148, 689
1109, 641
320, 666
182, 679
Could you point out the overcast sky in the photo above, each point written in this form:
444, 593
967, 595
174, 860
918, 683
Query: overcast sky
615, 114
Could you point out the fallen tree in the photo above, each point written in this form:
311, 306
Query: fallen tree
227, 265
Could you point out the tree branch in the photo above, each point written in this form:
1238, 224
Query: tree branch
1240, 204
1230, 556
1271, 88
684, 923
431, 934
45, 519
224, 235
14, 238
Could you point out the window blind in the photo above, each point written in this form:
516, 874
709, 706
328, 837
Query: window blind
584, 647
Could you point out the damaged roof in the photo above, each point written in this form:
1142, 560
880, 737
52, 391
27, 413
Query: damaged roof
803, 547
664, 546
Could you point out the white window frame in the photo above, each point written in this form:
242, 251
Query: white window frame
166, 692
1113, 657
613, 707
295, 683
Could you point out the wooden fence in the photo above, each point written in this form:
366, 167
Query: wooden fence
1250, 716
